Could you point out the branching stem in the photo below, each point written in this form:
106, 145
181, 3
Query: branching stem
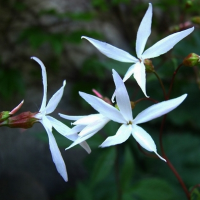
172, 81
187, 193
168, 161
161, 83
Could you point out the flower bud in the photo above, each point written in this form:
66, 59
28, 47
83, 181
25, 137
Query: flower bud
106, 99
4, 115
191, 60
180, 27
148, 66
23, 120
188, 4
196, 20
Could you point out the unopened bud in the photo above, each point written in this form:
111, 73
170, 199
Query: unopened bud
148, 66
4, 115
14, 110
196, 20
188, 4
106, 99
174, 29
180, 27
191, 60
23, 120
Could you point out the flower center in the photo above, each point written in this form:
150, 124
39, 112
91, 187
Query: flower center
130, 122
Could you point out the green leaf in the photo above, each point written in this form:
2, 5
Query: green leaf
83, 192
103, 165
153, 188
128, 168
11, 83
92, 66
195, 194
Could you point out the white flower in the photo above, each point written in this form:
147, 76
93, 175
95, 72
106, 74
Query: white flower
86, 125
48, 122
138, 68
123, 116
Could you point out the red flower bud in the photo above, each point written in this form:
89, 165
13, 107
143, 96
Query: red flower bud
191, 60
23, 120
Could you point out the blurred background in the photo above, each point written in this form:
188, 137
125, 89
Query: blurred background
51, 30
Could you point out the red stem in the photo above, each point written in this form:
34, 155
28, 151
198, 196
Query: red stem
172, 81
197, 185
169, 163
160, 139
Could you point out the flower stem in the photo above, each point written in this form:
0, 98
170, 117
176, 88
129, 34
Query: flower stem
161, 83
196, 186
172, 81
187, 193
169, 163
148, 99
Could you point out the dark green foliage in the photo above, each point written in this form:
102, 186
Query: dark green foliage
11, 83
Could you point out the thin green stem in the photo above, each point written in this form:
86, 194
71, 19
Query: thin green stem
161, 83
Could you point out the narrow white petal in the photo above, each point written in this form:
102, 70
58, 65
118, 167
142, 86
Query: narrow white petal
94, 126
104, 108
45, 122
140, 76
145, 140
73, 118
56, 155
121, 136
88, 119
14, 110
127, 76
144, 31
166, 44
55, 99
59, 126
111, 51
113, 97
129, 73
63, 130
80, 140
44, 80
75, 130
89, 131
158, 109
85, 145
122, 97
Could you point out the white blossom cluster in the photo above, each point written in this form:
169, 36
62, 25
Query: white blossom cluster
86, 126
